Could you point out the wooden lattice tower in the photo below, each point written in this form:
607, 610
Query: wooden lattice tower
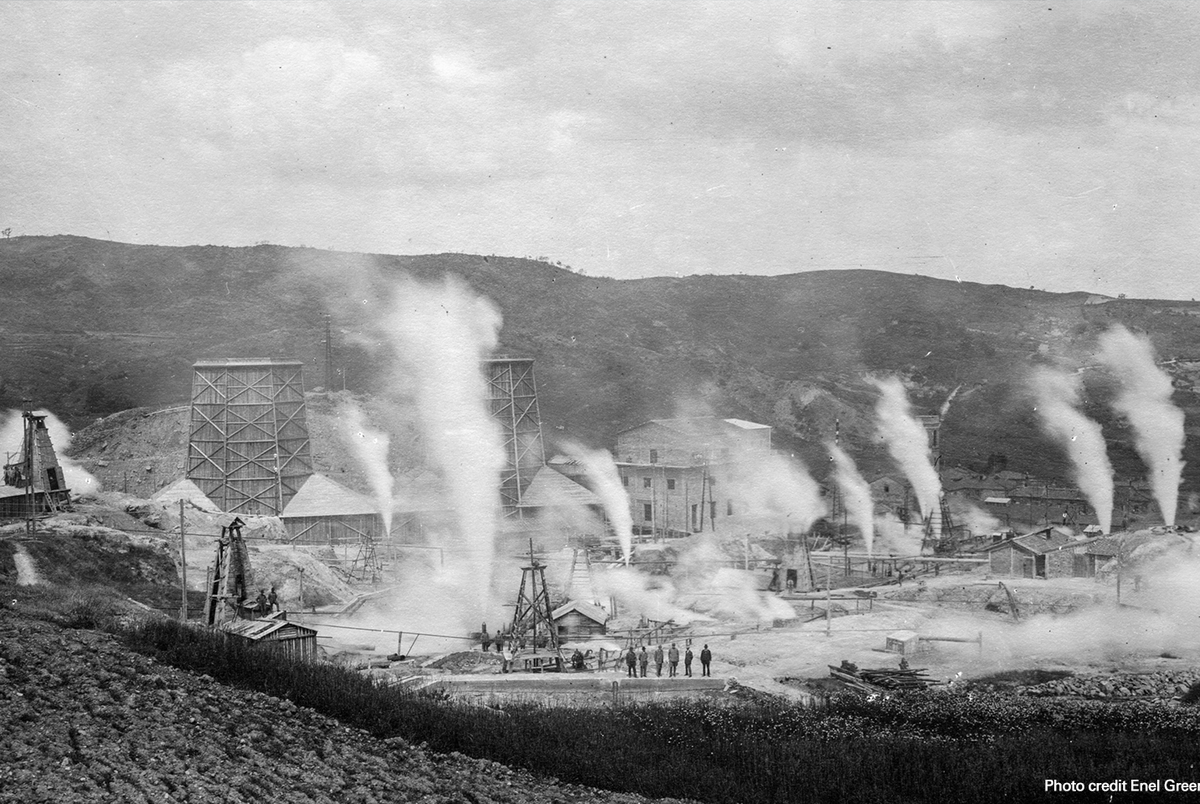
531, 619
248, 449
514, 405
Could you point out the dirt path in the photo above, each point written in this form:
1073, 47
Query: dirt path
27, 574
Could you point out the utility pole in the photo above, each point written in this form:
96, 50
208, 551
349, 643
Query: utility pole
30, 499
183, 609
328, 354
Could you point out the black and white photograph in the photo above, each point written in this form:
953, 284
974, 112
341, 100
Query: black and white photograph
617, 401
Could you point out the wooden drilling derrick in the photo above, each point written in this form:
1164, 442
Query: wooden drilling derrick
532, 627
514, 406
229, 577
36, 471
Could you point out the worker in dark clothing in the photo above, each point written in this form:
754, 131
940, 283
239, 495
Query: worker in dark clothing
705, 659
673, 660
658, 661
261, 606
643, 660
631, 663
687, 662
577, 659
273, 600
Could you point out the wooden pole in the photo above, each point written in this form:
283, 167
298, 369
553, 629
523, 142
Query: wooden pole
183, 607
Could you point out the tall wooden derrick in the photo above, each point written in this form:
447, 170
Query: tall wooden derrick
248, 448
36, 472
514, 405
532, 625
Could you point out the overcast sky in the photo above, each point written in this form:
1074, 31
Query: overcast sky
1025, 143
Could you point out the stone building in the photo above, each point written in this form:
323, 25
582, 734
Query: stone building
671, 468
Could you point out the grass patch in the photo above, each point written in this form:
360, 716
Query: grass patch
917, 747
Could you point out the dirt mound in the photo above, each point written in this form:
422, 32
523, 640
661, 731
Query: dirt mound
466, 661
84, 719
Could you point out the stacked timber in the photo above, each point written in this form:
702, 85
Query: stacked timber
883, 679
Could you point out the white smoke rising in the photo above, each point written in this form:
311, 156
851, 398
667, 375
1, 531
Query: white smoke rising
907, 442
768, 491
606, 482
975, 518
894, 537
648, 595
441, 334
857, 494
12, 435
1057, 400
1145, 400
370, 447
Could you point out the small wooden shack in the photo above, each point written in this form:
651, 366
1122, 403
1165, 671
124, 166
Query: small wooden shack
1044, 553
295, 640
579, 619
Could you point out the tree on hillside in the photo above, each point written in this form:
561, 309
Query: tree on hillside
7, 232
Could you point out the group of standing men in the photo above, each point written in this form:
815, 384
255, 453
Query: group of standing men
635, 660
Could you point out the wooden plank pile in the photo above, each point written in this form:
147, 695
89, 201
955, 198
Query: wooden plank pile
880, 679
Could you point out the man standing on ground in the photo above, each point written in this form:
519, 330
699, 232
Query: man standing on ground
673, 659
705, 658
687, 662
631, 663
658, 661
643, 660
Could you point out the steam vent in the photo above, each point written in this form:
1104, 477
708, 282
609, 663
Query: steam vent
514, 406
248, 448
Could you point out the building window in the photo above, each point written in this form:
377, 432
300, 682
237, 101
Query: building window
886, 489
729, 508
670, 484
653, 456
625, 481
712, 510
647, 512
645, 482
695, 519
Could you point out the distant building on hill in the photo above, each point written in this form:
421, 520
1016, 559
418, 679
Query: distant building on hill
670, 469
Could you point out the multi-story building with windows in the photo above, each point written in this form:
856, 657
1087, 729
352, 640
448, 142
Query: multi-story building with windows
672, 470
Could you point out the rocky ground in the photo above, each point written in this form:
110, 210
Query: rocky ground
84, 719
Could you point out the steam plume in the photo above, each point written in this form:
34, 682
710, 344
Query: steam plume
856, 492
370, 447
1057, 400
606, 483
908, 443
1145, 400
441, 333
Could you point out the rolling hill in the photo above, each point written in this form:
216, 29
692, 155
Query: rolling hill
92, 327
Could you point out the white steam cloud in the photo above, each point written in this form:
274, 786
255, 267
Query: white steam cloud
908, 443
370, 447
1145, 400
1057, 405
769, 491
857, 494
441, 334
606, 483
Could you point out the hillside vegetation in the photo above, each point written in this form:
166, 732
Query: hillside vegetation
94, 327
